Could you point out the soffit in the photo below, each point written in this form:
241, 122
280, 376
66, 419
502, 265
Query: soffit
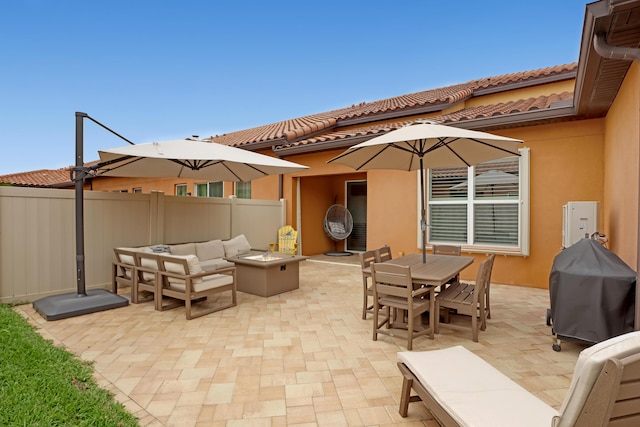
599, 79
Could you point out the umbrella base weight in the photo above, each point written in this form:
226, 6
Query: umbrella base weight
56, 307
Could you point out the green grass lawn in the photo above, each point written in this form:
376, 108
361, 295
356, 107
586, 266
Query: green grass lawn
45, 385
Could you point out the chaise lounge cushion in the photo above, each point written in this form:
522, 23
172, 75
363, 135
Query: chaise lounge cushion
473, 392
235, 246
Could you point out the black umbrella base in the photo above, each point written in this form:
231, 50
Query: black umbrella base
338, 253
56, 307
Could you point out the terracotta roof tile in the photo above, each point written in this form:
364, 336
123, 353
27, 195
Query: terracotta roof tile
522, 105
324, 127
289, 130
519, 106
38, 178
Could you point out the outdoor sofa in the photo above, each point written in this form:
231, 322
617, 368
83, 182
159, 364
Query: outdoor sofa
186, 271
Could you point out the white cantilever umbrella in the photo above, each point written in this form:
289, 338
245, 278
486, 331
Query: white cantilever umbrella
423, 145
186, 158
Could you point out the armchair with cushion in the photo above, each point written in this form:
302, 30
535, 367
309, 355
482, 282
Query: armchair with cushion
182, 278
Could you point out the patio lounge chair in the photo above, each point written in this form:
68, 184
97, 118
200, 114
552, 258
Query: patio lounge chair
287, 241
146, 277
182, 278
461, 389
123, 268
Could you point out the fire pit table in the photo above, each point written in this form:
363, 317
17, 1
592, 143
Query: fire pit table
266, 274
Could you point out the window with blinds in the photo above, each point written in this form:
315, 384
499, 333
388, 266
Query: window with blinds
209, 189
243, 190
481, 205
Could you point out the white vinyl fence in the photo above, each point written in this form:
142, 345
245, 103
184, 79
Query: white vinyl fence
37, 232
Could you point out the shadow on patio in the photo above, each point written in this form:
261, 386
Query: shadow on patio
300, 358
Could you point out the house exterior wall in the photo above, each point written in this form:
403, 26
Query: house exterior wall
566, 165
621, 163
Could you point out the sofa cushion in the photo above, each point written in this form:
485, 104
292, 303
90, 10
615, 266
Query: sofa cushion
160, 249
209, 282
473, 392
210, 250
235, 246
150, 263
178, 268
215, 264
183, 249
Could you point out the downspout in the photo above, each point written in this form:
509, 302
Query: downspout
630, 54
614, 52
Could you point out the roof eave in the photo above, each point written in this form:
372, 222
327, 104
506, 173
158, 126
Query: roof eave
525, 118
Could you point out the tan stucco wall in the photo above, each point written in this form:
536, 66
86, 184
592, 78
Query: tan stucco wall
566, 165
621, 157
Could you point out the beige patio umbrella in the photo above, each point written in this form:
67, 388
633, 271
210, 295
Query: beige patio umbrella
425, 144
190, 158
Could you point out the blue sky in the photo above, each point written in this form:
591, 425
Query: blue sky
155, 70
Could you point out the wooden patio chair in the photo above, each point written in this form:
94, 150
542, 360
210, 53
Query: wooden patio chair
468, 299
448, 250
147, 277
287, 241
366, 259
383, 254
123, 268
460, 388
182, 278
393, 288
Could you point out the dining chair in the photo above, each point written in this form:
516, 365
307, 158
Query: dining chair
468, 299
366, 259
393, 288
383, 254
446, 250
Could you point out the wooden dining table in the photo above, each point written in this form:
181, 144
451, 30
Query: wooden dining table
435, 272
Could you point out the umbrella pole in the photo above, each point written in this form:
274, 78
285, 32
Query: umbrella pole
79, 187
62, 306
423, 219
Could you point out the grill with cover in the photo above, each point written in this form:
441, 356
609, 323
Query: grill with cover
592, 294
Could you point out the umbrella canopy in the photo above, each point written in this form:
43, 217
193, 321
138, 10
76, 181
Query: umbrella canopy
186, 158
424, 144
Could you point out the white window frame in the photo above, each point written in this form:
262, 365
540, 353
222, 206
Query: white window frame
522, 248
184, 186
209, 188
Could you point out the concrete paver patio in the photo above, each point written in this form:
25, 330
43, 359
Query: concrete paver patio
302, 358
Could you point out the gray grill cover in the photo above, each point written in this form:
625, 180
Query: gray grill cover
592, 293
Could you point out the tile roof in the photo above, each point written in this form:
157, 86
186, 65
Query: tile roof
291, 130
38, 178
372, 130
327, 130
